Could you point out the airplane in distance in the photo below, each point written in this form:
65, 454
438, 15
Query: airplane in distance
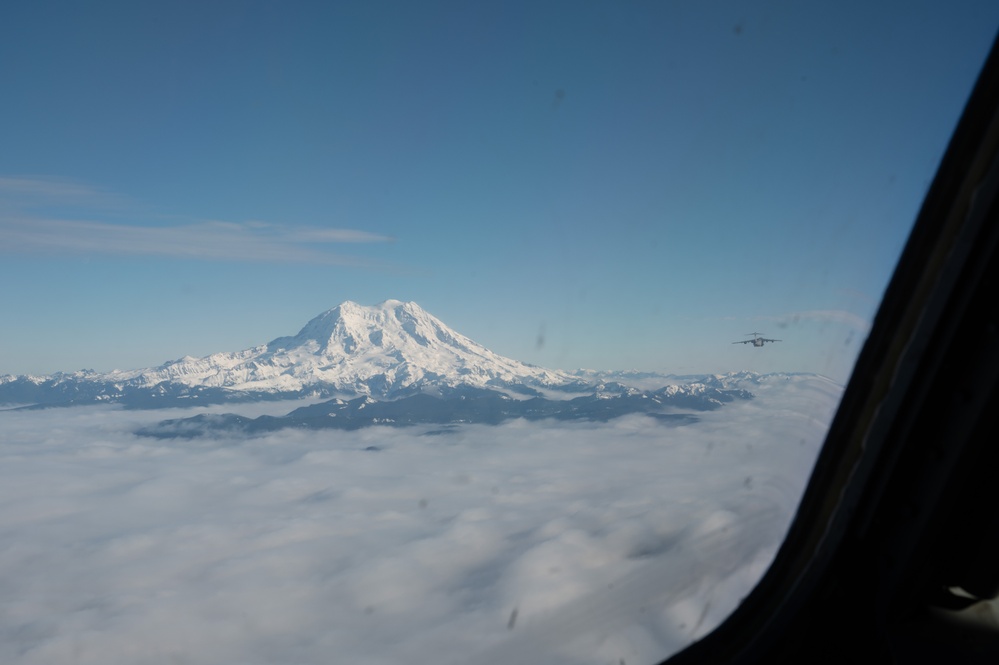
758, 339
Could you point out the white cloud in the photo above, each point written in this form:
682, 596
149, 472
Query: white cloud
23, 228
34, 191
335, 235
307, 547
204, 241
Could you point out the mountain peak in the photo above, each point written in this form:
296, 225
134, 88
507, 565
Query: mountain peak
395, 344
350, 327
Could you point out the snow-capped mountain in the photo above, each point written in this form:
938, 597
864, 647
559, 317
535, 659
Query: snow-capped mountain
380, 350
387, 350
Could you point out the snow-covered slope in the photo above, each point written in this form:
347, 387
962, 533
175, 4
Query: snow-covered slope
384, 350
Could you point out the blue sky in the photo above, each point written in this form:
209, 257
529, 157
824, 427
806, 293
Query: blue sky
603, 185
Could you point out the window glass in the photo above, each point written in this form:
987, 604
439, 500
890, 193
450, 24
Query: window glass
438, 331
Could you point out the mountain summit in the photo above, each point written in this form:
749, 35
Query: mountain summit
387, 350
387, 334
390, 347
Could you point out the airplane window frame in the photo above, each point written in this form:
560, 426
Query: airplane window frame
883, 462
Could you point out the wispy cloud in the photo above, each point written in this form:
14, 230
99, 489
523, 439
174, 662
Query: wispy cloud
335, 235
34, 190
837, 316
25, 229
204, 240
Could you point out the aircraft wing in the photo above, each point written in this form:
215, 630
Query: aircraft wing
745, 341
773, 340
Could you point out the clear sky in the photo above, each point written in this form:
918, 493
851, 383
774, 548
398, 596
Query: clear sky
606, 185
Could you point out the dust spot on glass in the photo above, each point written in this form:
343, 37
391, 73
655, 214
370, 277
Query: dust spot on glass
513, 620
540, 342
423, 503
558, 99
369, 610
739, 27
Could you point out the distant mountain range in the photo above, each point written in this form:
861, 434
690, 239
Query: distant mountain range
391, 363
467, 406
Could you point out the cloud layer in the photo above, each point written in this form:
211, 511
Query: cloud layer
26, 226
558, 543
838, 316
228, 241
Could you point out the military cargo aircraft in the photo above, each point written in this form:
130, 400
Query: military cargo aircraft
758, 339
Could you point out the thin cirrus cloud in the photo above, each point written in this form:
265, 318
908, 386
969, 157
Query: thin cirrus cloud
820, 316
25, 228
836, 316
37, 190
212, 240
